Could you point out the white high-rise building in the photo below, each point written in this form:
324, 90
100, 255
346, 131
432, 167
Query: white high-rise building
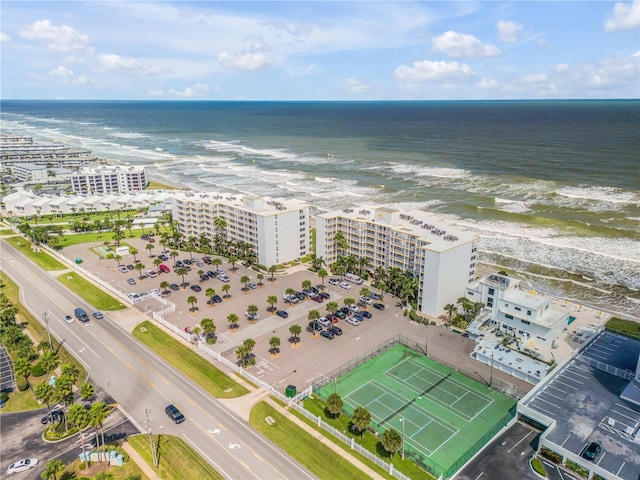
109, 179
277, 230
441, 254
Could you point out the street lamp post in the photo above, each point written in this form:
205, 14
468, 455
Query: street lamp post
46, 322
402, 421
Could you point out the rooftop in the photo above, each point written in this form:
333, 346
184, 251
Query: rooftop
264, 205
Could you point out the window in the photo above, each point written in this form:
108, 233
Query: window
525, 322
492, 291
510, 317
490, 302
529, 312
518, 309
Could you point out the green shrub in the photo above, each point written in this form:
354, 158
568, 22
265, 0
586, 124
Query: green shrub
551, 455
22, 384
37, 370
4, 397
576, 468
538, 467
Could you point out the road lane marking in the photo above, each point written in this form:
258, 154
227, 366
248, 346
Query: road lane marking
220, 469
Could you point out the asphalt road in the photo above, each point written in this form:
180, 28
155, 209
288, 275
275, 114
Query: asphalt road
139, 380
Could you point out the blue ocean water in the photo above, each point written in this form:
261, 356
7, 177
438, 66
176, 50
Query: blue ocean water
552, 188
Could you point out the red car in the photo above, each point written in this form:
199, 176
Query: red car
163, 268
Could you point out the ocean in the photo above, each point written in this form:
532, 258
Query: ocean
552, 188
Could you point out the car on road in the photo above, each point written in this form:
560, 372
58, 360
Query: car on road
592, 451
97, 315
174, 287
326, 334
123, 269
131, 281
68, 319
282, 314
22, 465
334, 281
174, 414
252, 316
315, 326
196, 288
353, 321
345, 285
252, 285
335, 330
56, 415
378, 306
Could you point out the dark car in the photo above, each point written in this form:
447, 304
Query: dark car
374, 295
378, 306
55, 415
326, 334
186, 261
345, 310
335, 330
196, 288
217, 299
130, 267
204, 277
317, 298
315, 326
174, 287
340, 315
365, 314
592, 451
300, 295
174, 414
207, 260
212, 274
325, 295
282, 314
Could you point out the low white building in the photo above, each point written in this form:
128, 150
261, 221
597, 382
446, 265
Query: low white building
441, 254
29, 172
526, 315
109, 179
277, 230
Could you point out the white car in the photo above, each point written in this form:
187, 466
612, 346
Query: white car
155, 291
223, 277
353, 321
255, 316
345, 285
334, 281
354, 308
22, 465
68, 319
324, 321
367, 300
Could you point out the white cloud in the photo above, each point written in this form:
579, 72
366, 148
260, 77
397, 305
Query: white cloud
4, 38
112, 62
509, 32
155, 93
625, 16
302, 71
68, 77
425, 71
244, 61
462, 45
535, 78
355, 86
190, 92
488, 83
59, 39
560, 68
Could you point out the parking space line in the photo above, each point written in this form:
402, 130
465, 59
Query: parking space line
626, 408
578, 374
554, 396
559, 389
621, 466
600, 459
564, 376
546, 401
520, 441
565, 440
633, 419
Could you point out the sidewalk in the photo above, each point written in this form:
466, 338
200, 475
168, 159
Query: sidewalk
144, 466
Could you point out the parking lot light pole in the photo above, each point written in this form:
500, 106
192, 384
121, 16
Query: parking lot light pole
45, 317
402, 421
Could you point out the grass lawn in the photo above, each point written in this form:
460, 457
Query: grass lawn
77, 469
42, 258
160, 186
88, 291
78, 238
6, 231
177, 460
628, 328
369, 441
200, 370
317, 457
25, 401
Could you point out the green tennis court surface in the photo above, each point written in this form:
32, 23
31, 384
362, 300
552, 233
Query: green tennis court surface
446, 416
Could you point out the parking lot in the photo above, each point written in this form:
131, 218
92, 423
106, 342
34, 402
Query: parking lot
300, 364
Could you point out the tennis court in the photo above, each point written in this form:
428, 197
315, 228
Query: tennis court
446, 417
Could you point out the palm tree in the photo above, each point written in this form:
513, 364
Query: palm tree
182, 271
210, 292
134, 252
274, 343
117, 258
260, 277
232, 319
149, 246
44, 393
364, 293
244, 280
252, 310
271, 270
340, 242
338, 269
200, 273
104, 476
349, 301
361, 419
156, 263
139, 267
290, 292
164, 285
335, 404
450, 308
87, 390
391, 441
70, 371
295, 330
272, 300
209, 329
52, 469
313, 315
322, 273
97, 415
192, 300
77, 416
49, 361
225, 288
22, 368
216, 262
306, 284
232, 260
174, 254
332, 307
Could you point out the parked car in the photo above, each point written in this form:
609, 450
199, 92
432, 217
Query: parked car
252, 316
174, 287
163, 268
151, 273
334, 281
155, 291
324, 321
186, 261
163, 257
313, 325
367, 300
196, 288
179, 263
123, 269
326, 334
174, 414
354, 308
353, 321
375, 296
592, 451
365, 314
97, 315
207, 260
56, 416
300, 296
378, 306
252, 285
22, 465
324, 295
130, 267
335, 330
345, 285
217, 299
223, 277
68, 319
282, 314
345, 310
317, 298
340, 315
204, 277
290, 298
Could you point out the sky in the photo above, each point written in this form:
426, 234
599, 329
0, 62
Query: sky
304, 50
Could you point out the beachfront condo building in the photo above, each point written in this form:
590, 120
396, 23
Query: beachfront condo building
21, 150
441, 254
109, 179
526, 315
277, 230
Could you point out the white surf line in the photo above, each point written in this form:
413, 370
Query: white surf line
521, 440
218, 467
